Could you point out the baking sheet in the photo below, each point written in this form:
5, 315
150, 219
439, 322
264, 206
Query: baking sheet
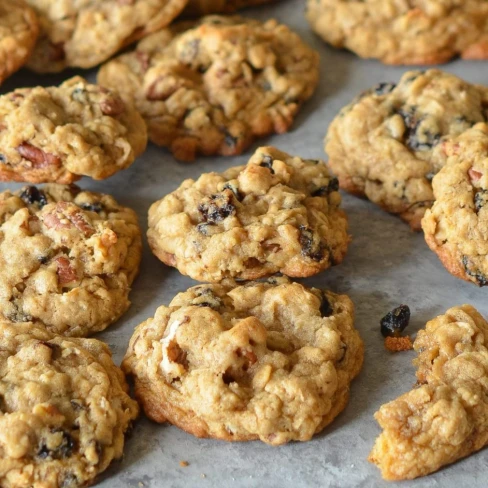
386, 265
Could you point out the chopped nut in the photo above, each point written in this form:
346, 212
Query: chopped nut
66, 273
397, 344
37, 156
184, 464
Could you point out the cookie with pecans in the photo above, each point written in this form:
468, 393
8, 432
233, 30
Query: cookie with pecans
59, 134
64, 408
68, 258
213, 86
387, 144
403, 32
444, 417
18, 34
278, 213
205, 7
83, 34
456, 227
267, 360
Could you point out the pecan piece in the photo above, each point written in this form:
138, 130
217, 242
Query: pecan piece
37, 156
112, 105
65, 272
65, 215
474, 175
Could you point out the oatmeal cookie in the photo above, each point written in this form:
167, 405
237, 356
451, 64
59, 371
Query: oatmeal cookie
84, 33
278, 213
18, 33
270, 361
404, 32
205, 7
456, 228
59, 134
444, 418
64, 408
387, 144
67, 258
213, 86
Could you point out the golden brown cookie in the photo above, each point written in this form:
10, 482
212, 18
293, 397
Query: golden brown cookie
213, 86
64, 408
444, 418
67, 258
59, 134
18, 33
387, 144
403, 32
84, 33
456, 228
270, 361
278, 213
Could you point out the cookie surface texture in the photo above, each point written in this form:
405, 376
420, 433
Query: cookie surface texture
388, 144
401, 32
456, 228
443, 418
59, 134
213, 86
68, 258
278, 213
18, 34
270, 361
64, 408
84, 33
205, 7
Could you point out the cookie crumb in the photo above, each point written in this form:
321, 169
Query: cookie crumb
184, 464
397, 344
140, 484
204, 475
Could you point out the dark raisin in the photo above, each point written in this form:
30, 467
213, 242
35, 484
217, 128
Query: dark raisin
384, 88
216, 208
480, 199
266, 85
311, 245
202, 69
416, 136
239, 196
96, 207
394, 322
206, 298
326, 190
43, 259
268, 163
64, 450
479, 277
2, 158
230, 140
325, 307
203, 228
31, 195
77, 405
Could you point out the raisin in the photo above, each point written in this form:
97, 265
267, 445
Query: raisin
268, 163
239, 196
43, 259
480, 199
64, 450
96, 207
479, 277
31, 195
203, 228
384, 88
326, 190
3, 159
230, 140
416, 137
206, 298
216, 208
311, 246
325, 307
394, 322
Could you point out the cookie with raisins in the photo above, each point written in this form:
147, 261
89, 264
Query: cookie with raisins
269, 360
278, 213
64, 408
67, 258
387, 144
403, 32
214, 85
61, 133
456, 227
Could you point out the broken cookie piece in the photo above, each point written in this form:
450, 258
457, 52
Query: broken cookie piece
251, 221
265, 364
443, 418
